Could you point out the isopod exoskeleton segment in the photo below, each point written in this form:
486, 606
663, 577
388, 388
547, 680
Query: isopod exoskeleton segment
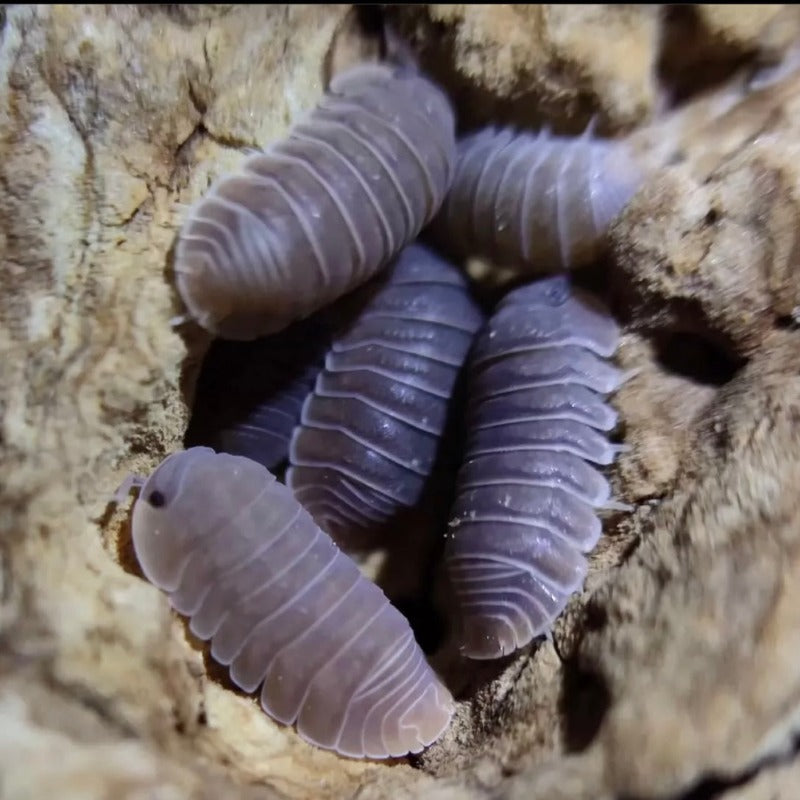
536, 202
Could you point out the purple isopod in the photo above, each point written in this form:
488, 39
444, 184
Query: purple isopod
249, 394
320, 212
284, 608
370, 431
539, 202
524, 514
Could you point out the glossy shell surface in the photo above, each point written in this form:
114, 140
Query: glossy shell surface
320, 212
371, 430
536, 202
284, 608
529, 488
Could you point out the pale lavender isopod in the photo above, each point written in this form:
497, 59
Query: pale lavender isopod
320, 212
249, 395
284, 608
370, 431
536, 202
524, 514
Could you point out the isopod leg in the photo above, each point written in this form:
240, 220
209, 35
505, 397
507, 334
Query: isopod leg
131, 481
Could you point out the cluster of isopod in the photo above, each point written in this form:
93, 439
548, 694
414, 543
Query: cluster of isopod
365, 331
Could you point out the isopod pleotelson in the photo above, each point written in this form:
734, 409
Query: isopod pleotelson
536, 202
320, 212
284, 608
524, 513
370, 431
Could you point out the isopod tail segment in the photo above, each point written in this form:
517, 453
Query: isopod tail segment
530, 487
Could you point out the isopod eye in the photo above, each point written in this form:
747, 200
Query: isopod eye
557, 293
156, 499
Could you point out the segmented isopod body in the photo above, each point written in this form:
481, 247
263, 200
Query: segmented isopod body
538, 202
322, 211
526, 493
283, 607
370, 431
249, 394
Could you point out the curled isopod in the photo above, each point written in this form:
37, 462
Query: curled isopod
320, 212
284, 608
536, 202
370, 431
524, 514
249, 394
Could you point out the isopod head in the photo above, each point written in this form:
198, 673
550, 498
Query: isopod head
163, 536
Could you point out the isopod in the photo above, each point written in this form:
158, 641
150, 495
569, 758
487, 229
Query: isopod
249, 394
536, 202
284, 608
524, 514
319, 213
370, 431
